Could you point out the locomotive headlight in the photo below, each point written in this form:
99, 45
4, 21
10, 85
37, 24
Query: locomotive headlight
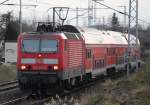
55, 67
23, 67
39, 55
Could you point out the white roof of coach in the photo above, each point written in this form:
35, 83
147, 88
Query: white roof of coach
94, 36
119, 37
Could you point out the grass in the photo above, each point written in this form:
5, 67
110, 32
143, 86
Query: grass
142, 97
7, 73
132, 91
95, 99
147, 72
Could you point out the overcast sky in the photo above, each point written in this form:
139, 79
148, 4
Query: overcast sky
40, 12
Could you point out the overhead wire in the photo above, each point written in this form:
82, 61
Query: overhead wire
4, 2
29, 5
45, 3
119, 11
78, 15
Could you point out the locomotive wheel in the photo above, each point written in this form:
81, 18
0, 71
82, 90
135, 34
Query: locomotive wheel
78, 81
23, 87
66, 84
69, 83
73, 82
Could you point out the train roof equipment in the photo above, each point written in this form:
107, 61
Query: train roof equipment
90, 35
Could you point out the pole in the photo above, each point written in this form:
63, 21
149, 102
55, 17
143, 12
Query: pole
124, 28
129, 49
48, 18
125, 22
20, 16
53, 19
94, 13
133, 20
88, 13
103, 23
137, 22
124, 18
99, 24
137, 33
77, 17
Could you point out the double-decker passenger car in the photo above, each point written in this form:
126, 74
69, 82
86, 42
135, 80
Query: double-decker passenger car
65, 58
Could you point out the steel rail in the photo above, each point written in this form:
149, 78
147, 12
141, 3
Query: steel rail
14, 101
7, 83
8, 86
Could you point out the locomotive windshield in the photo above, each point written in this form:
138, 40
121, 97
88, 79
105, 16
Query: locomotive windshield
29, 45
37, 45
48, 46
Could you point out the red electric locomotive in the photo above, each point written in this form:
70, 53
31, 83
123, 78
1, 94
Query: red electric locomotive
47, 58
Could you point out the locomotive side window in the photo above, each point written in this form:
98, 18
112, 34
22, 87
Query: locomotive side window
70, 35
79, 36
49, 45
30, 45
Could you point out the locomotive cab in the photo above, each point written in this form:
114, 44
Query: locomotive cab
45, 58
39, 58
38, 48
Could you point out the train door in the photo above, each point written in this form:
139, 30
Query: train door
89, 60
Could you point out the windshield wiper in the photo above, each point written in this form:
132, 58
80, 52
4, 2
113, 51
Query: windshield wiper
23, 48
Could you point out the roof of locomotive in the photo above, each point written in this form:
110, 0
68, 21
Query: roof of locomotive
45, 34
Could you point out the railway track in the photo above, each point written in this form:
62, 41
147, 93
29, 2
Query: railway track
8, 86
24, 100
14, 101
68, 93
